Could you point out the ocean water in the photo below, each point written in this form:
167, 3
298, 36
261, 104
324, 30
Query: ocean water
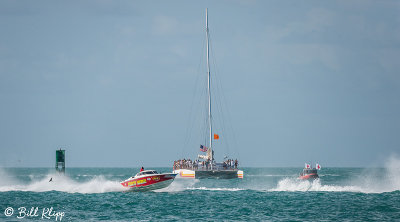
266, 194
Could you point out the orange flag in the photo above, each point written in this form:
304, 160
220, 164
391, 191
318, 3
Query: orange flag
216, 136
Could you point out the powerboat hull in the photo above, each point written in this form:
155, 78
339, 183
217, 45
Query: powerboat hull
149, 182
309, 177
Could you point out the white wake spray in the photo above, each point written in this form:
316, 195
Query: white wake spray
372, 180
62, 183
292, 184
214, 189
179, 185
381, 180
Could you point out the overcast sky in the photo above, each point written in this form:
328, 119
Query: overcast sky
114, 82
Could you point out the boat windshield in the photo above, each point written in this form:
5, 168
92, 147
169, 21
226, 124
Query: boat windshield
309, 171
146, 172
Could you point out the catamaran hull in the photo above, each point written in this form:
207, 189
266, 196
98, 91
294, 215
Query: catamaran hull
203, 174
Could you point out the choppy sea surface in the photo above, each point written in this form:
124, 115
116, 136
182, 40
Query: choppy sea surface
266, 194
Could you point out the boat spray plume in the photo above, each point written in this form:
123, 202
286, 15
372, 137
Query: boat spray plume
371, 180
62, 183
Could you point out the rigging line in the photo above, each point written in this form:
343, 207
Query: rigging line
230, 125
190, 124
223, 118
228, 113
200, 111
196, 120
219, 102
220, 126
203, 110
204, 114
229, 119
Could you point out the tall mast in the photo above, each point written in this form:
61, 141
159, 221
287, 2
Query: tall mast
209, 88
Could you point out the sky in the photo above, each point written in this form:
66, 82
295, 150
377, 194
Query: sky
114, 82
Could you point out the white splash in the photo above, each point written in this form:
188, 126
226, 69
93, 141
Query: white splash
64, 184
381, 180
6, 179
291, 184
393, 166
372, 180
214, 189
189, 184
179, 185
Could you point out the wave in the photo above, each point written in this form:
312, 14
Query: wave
372, 180
382, 180
214, 189
291, 184
98, 184
267, 175
179, 185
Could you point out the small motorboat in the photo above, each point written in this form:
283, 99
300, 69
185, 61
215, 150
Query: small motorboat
149, 180
309, 173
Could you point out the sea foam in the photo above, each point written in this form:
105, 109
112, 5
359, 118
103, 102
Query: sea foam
98, 184
373, 180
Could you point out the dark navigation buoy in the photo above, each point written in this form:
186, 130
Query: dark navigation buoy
60, 161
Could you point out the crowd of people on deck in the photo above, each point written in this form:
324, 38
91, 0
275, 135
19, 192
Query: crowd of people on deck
203, 165
187, 164
230, 164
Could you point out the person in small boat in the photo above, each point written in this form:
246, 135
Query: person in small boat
141, 169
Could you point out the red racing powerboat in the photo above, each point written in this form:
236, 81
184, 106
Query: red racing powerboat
149, 180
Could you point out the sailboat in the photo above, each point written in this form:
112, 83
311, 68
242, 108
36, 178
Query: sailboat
205, 166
